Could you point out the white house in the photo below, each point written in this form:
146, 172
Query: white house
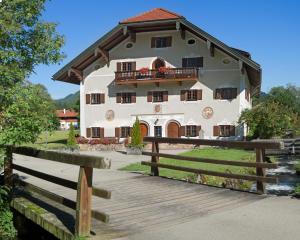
176, 78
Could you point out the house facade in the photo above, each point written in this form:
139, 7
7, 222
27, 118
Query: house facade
177, 79
66, 118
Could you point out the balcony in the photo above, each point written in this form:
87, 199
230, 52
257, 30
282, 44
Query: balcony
155, 76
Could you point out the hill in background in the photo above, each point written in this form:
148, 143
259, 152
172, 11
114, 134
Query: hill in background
70, 101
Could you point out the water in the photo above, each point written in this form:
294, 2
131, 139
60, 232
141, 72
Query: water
288, 178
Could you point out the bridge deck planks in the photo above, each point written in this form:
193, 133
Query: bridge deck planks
141, 203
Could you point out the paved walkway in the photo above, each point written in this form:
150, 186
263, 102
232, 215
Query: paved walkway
144, 207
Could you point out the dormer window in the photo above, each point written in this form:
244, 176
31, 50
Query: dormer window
129, 45
191, 41
161, 42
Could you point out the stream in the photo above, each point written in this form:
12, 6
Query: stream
288, 179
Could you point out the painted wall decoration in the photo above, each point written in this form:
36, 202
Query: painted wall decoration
110, 115
207, 112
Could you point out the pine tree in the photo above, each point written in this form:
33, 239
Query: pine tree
136, 136
71, 142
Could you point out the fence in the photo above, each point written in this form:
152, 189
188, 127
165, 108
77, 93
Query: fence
260, 163
84, 186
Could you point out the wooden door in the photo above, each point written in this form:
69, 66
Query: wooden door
144, 129
173, 130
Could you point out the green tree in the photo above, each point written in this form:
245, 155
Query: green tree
136, 135
71, 142
29, 111
269, 119
25, 42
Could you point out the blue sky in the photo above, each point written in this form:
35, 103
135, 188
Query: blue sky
269, 30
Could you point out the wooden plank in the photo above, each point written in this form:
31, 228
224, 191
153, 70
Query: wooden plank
59, 199
68, 158
260, 186
41, 217
84, 201
47, 177
213, 173
103, 217
52, 196
221, 143
155, 159
102, 193
214, 161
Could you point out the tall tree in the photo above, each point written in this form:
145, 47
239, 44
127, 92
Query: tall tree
25, 109
25, 41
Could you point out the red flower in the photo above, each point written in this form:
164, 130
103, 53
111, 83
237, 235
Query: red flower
163, 69
144, 70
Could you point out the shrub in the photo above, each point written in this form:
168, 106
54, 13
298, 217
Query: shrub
7, 229
136, 135
71, 142
297, 189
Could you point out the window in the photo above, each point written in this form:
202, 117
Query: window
97, 98
95, 132
127, 66
194, 62
125, 132
129, 45
226, 93
158, 96
157, 131
126, 97
192, 95
161, 42
227, 130
191, 41
191, 131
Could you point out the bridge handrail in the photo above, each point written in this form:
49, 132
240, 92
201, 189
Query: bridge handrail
84, 186
258, 146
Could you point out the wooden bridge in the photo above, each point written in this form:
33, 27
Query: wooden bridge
136, 203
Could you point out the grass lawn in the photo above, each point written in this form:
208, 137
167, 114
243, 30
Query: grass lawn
54, 140
213, 153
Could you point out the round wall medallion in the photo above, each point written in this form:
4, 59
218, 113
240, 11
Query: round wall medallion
109, 115
207, 112
157, 108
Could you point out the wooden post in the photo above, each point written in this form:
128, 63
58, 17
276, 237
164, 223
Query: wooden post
8, 170
260, 186
155, 159
84, 200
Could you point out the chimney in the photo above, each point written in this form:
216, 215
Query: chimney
64, 111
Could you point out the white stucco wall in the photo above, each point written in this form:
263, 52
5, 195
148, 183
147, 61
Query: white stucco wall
214, 74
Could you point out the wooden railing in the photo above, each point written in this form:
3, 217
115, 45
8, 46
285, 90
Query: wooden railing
154, 74
84, 186
260, 163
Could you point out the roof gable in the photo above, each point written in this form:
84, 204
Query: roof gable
153, 15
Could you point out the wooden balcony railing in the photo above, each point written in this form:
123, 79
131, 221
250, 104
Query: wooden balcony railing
155, 76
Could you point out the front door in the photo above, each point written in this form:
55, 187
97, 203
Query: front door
144, 129
173, 130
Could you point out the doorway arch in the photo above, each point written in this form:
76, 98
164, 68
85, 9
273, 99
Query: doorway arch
173, 129
144, 129
157, 63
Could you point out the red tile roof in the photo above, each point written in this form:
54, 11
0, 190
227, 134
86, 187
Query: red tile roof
153, 15
66, 113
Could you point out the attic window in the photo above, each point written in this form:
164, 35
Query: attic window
226, 61
129, 45
191, 41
